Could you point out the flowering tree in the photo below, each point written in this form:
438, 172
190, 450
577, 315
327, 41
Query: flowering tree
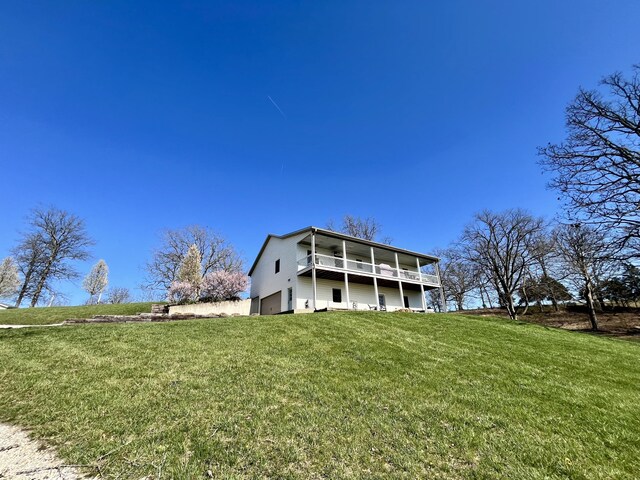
223, 285
191, 270
96, 281
9, 278
181, 292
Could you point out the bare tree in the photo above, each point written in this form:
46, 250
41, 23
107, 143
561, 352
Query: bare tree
458, 276
215, 253
545, 254
366, 228
54, 239
583, 249
9, 278
118, 295
30, 255
65, 239
500, 245
597, 167
96, 281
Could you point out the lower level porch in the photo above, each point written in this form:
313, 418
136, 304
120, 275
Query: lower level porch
356, 293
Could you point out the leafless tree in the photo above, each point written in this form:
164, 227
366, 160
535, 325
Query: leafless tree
9, 278
215, 253
500, 245
118, 295
366, 228
54, 239
544, 252
435, 299
597, 167
30, 256
458, 275
584, 252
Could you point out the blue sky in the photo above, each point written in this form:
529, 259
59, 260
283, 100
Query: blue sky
142, 116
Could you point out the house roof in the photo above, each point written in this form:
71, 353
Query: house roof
343, 236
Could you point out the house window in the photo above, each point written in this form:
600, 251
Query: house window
277, 265
308, 257
359, 263
337, 295
406, 302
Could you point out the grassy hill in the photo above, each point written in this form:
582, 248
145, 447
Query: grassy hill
328, 395
48, 315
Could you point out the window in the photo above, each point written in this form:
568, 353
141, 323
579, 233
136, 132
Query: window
406, 302
308, 257
337, 295
359, 263
277, 265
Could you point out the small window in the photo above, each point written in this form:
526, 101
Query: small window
277, 265
359, 263
337, 295
406, 302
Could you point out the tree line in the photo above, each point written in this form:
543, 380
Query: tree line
514, 259
194, 259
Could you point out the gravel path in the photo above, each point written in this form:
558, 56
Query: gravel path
25, 459
32, 326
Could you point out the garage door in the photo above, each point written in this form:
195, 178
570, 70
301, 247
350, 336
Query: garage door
271, 305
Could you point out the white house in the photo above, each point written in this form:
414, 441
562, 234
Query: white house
3, 306
315, 269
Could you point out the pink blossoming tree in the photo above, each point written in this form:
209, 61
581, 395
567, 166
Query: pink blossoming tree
222, 285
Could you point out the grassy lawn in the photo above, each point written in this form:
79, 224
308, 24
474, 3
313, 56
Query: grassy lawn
330, 395
47, 315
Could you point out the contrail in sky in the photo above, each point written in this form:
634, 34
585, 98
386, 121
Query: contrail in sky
276, 105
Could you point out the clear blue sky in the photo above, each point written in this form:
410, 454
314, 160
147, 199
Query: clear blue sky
142, 115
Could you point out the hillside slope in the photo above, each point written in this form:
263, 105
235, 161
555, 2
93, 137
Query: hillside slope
328, 395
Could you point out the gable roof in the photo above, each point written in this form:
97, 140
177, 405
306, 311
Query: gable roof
342, 236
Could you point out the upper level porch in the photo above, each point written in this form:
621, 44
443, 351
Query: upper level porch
329, 253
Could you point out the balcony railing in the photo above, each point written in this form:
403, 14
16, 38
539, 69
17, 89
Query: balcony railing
356, 266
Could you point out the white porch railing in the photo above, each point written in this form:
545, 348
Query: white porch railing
357, 266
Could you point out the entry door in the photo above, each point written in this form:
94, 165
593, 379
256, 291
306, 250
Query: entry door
290, 298
382, 302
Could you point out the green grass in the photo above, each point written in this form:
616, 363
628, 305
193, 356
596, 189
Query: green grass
331, 395
48, 315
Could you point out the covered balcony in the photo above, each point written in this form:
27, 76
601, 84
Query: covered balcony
366, 259
334, 256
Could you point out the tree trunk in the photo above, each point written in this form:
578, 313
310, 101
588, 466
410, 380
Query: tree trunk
552, 295
41, 282
25, 286
484, 305
488, 298
526, 300
511, 309
590, 303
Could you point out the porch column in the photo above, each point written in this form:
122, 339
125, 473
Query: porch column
424, 301
399, 281
314, 284
346, 275
442, 297
375, 280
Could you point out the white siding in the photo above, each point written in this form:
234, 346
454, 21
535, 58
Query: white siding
264, 280
363, 294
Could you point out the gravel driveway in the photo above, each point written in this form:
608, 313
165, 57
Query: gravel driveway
25, 459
